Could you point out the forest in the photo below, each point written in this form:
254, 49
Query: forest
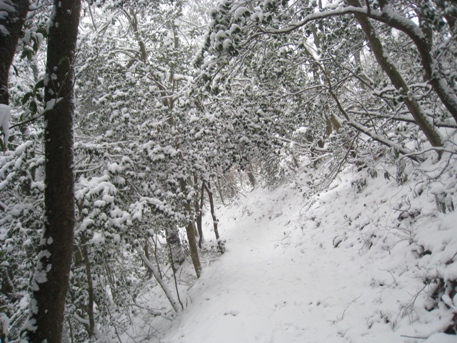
133, 133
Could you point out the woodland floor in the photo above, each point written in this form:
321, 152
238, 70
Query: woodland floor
336, 267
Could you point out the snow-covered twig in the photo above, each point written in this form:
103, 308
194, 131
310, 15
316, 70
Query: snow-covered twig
155, 272
3, 206
353, 301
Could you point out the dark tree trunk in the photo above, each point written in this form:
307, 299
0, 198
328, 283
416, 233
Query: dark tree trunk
51, 279
199, 211
90, 289
190, 230
220, 244
251, 178
12, 20
193, 248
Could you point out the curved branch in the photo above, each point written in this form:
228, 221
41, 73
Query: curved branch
394, 20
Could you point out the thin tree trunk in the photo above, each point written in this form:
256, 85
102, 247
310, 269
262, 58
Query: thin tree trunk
177, 256
156, 257
199, 209
439, 83
50, 282
191, 236
220, 244
219, 189
176, 282
251, 178
397, 80
402, 23
193, 248
146, 253
154, 271
90, 290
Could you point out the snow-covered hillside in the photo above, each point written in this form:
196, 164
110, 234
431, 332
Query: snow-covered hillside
365, 261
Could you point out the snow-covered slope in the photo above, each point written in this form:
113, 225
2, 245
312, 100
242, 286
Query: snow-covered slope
361, 262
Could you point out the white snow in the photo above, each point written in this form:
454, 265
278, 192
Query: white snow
5, 115
98, 238
239, 12
441, 338
346, 265
51, 103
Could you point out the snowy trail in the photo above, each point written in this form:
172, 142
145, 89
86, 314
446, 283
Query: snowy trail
268, 288
283, 280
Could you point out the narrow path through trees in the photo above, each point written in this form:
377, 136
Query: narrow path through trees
273, 286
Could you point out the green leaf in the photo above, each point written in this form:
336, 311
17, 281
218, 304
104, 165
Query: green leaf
39, 84
26, 54
26, 98
33, 107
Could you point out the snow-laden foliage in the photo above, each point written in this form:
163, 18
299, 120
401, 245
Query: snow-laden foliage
22, 208
374, 81
363, 261
166, 116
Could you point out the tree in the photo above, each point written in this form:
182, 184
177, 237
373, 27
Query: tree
396, 78
148, 72
11, 21
51, 278
354, 90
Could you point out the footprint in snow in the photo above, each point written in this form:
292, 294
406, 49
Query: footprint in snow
231, 313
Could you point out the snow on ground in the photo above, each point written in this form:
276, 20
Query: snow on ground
352, 264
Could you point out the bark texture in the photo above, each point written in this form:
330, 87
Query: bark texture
177, 256
51, 279
11, 22
199, 211
220, 244
190, 230
193, 248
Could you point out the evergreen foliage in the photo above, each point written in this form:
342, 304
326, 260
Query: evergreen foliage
175, 101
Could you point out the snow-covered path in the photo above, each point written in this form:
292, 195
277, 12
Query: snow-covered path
271, 286
282, 283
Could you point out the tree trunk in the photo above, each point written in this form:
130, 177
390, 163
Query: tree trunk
50, 282
11, 22
220, 244
190, 230
219, 189
396, 78
409, 27
90, 290
177, 256
193, 248
251, 178
438, 82
199, 210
